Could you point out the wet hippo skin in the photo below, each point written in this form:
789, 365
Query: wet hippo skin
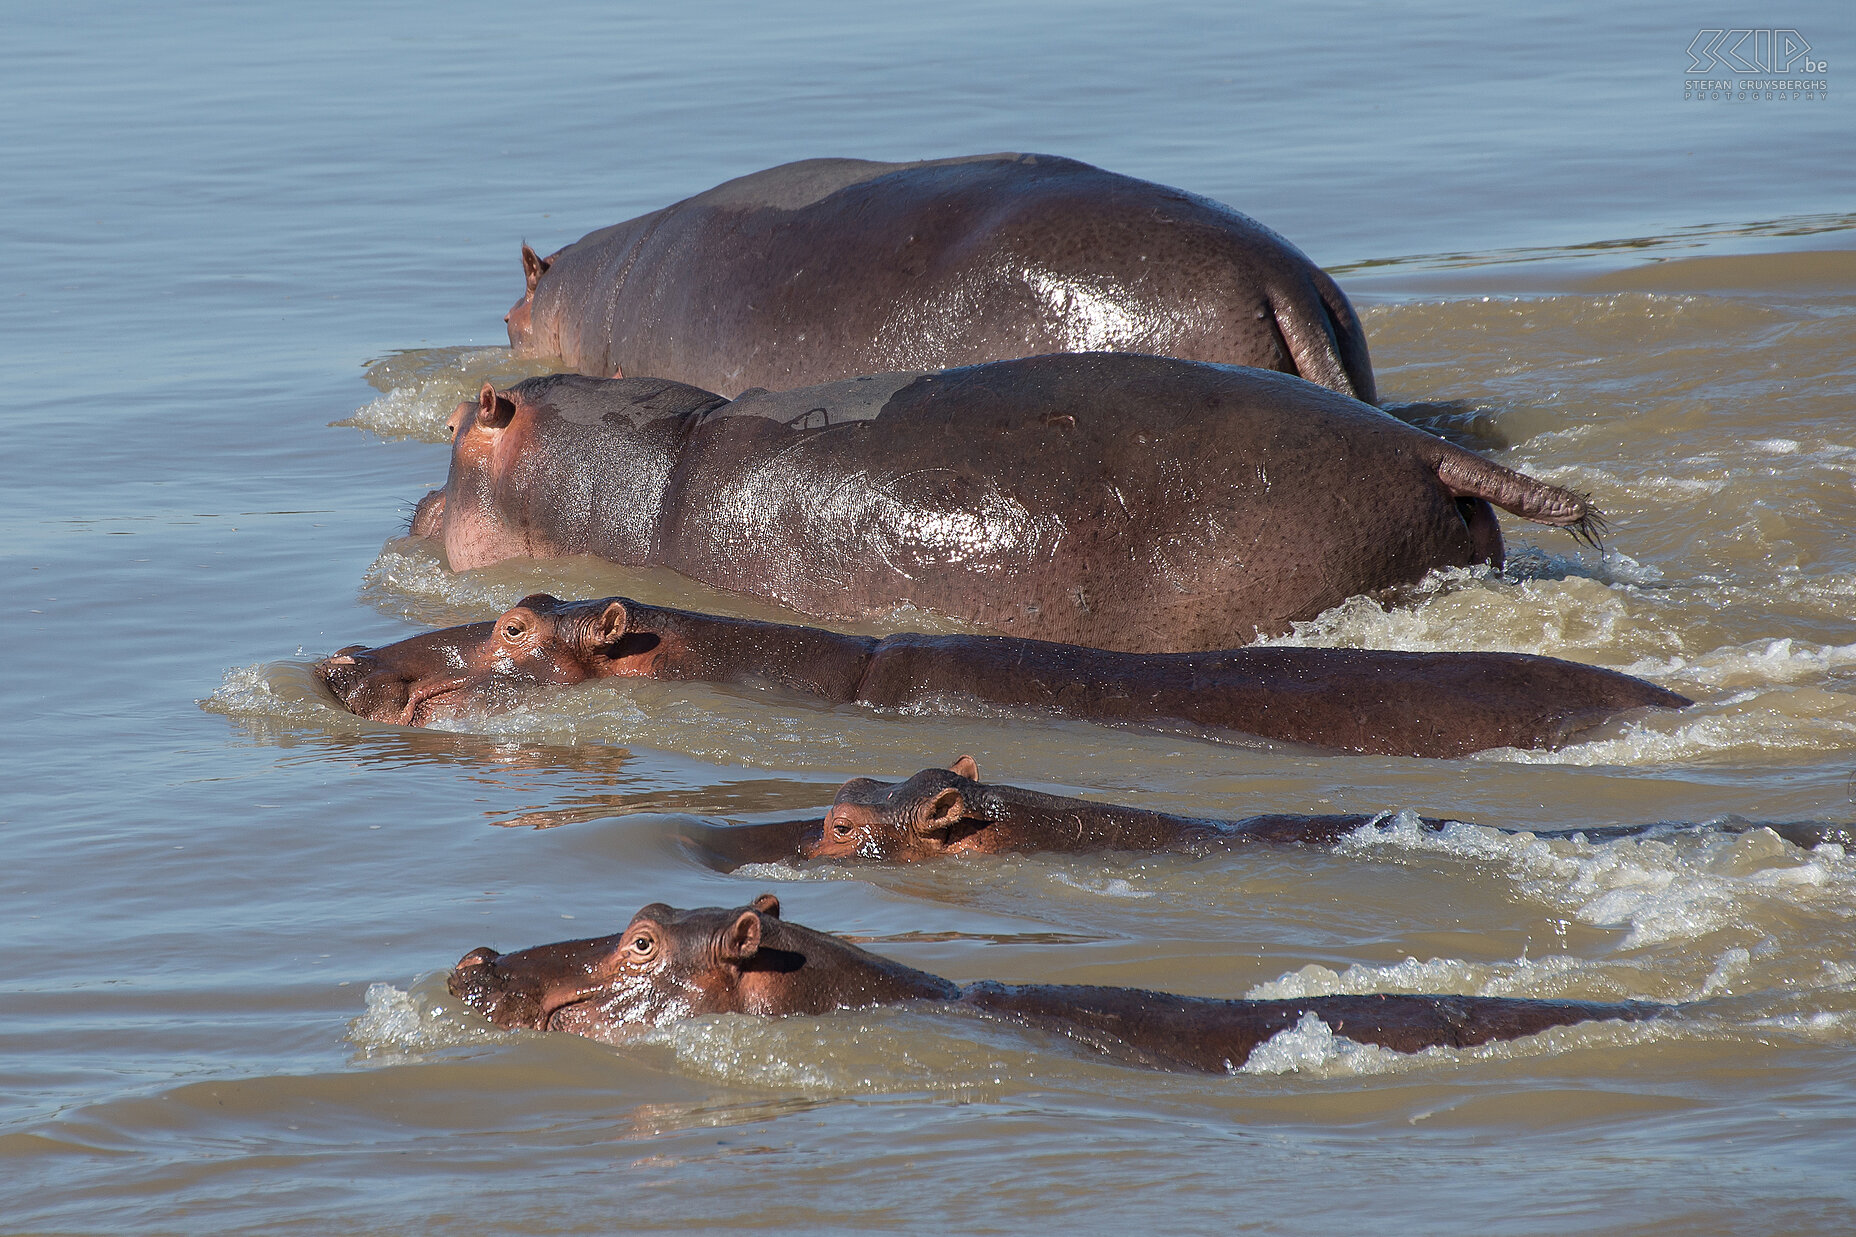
671, 964
829, 268
948, 811
1387, 703
1112, 500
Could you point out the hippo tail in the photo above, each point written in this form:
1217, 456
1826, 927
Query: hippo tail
1324, 336
1467, 475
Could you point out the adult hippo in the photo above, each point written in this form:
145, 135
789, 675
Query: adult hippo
1386, 703
672, 964
830, 268
1107, 499
941, 812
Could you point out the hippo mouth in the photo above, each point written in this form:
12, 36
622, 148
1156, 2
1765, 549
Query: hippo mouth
478, 983
428, 518
505, 1001
380, 696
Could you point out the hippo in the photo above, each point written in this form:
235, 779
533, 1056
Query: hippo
949, 811
1108, 499
1357, 700
672, 964
829, 268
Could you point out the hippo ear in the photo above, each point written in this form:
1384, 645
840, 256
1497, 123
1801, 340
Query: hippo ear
493, 410
768, 905
942, 813
964, 767
742, 939
533, 268
611, 624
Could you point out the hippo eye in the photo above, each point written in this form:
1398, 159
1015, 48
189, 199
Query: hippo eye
512, 630
840, 829
642, 945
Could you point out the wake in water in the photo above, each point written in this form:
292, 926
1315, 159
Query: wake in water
419, 387
1679, 889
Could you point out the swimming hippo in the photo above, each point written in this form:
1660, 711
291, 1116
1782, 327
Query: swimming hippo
1107, 499
671, 964
950, 811
829, 268
1359, 700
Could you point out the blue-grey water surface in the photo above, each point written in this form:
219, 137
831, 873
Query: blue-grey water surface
229, 906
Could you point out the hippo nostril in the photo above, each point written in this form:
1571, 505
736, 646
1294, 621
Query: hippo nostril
481, 956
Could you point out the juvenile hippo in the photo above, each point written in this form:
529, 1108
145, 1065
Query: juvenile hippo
1388, 703
950, 811
830, 268
1113, 500
672, 964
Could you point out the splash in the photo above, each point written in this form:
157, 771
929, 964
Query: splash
421, 386
1654, 889
1311, 1045
400, 1027
1525, 977
273, 692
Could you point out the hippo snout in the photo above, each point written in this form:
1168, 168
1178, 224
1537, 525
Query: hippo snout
428, 518
474, 979
357, 682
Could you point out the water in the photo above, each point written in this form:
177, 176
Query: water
230, 907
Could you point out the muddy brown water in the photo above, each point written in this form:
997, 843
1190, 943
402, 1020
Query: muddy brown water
230, 906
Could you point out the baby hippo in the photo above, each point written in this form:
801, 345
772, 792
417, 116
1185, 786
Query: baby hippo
951, 812
671, 964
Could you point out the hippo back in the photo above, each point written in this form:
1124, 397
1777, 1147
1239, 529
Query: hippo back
830, 268
1117, 501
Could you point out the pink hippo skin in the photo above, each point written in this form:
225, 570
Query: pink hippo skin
671, 964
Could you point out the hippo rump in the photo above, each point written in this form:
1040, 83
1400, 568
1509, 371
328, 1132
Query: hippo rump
672, 964
1358, 700
830, 268
1107, 499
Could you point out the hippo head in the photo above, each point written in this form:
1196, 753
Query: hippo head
462, 670
933, 813
518, 319
488, 442
667, 964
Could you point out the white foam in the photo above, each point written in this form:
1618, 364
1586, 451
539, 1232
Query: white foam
400, 1027
1311, 1045
422, 386
1529, 977
273, 692
1654, 890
